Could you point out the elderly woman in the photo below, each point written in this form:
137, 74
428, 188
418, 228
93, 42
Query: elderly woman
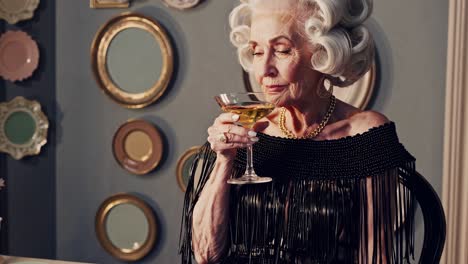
335, 196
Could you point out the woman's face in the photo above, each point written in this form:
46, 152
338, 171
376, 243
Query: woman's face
281, 61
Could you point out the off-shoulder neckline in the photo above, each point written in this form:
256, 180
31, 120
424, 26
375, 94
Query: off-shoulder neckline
370, 131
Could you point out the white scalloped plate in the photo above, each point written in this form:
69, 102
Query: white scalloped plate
16, 10
181, 4
23, 127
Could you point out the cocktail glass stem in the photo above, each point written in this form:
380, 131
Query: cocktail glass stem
249, 170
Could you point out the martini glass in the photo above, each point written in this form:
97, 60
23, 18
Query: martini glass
250, 107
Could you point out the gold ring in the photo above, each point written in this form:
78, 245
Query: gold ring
222, 138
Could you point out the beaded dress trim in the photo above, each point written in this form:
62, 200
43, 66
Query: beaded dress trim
316, 210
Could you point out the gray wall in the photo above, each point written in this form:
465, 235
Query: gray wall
411, 39
411, 43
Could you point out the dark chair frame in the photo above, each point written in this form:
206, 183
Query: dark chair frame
433, 215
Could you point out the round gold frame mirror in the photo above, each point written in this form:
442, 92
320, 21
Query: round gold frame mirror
132, 60
183, 167
126, 227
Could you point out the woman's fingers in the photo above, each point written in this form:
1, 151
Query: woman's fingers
218, 145
227, 137
226, 118
239, 139
224, 135
229, 128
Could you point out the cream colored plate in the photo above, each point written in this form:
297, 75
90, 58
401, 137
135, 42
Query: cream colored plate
357, 94
181, 4
16, 10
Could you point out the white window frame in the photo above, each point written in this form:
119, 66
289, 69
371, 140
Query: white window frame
455, 165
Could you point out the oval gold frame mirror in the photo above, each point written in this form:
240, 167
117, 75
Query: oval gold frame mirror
113, 218
127, 64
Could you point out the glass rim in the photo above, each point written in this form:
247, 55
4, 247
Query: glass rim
242, 93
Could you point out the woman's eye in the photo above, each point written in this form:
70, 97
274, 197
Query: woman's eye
283, 52
257, 53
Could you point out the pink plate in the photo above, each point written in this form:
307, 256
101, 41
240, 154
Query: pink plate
19, 56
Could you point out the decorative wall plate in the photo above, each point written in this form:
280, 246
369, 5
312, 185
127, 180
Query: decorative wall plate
126, 227
132, 60
138, 146
181, 4
357, 94
183, 167
15, 10
23, 127
19, 55
109, 3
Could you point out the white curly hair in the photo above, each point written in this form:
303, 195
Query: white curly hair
342, 47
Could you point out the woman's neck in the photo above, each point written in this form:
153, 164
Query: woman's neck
305, 115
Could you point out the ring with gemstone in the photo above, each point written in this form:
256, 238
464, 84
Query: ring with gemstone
222, 138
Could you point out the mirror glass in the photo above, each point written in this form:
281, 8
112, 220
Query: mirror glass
134, 60
127, 227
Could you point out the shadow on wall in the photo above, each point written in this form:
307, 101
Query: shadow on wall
168, 155
161, 227
179, 45
385, 67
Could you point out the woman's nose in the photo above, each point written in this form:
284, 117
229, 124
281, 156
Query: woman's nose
268, 68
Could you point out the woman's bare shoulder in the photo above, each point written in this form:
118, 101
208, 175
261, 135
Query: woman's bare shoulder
365, 120
350, 121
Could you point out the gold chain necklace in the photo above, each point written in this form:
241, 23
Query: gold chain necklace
289, 134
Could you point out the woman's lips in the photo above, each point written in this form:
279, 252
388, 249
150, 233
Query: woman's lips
275, 88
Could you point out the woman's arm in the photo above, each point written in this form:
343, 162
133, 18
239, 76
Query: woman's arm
211, 216
211, 212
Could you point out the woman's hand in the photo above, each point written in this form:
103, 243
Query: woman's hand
226, 137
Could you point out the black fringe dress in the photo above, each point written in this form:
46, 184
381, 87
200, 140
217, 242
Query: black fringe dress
316, 208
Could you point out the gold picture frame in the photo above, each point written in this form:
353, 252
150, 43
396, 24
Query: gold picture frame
106, 4
181, 168
99, 49
101, 228
33, 135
